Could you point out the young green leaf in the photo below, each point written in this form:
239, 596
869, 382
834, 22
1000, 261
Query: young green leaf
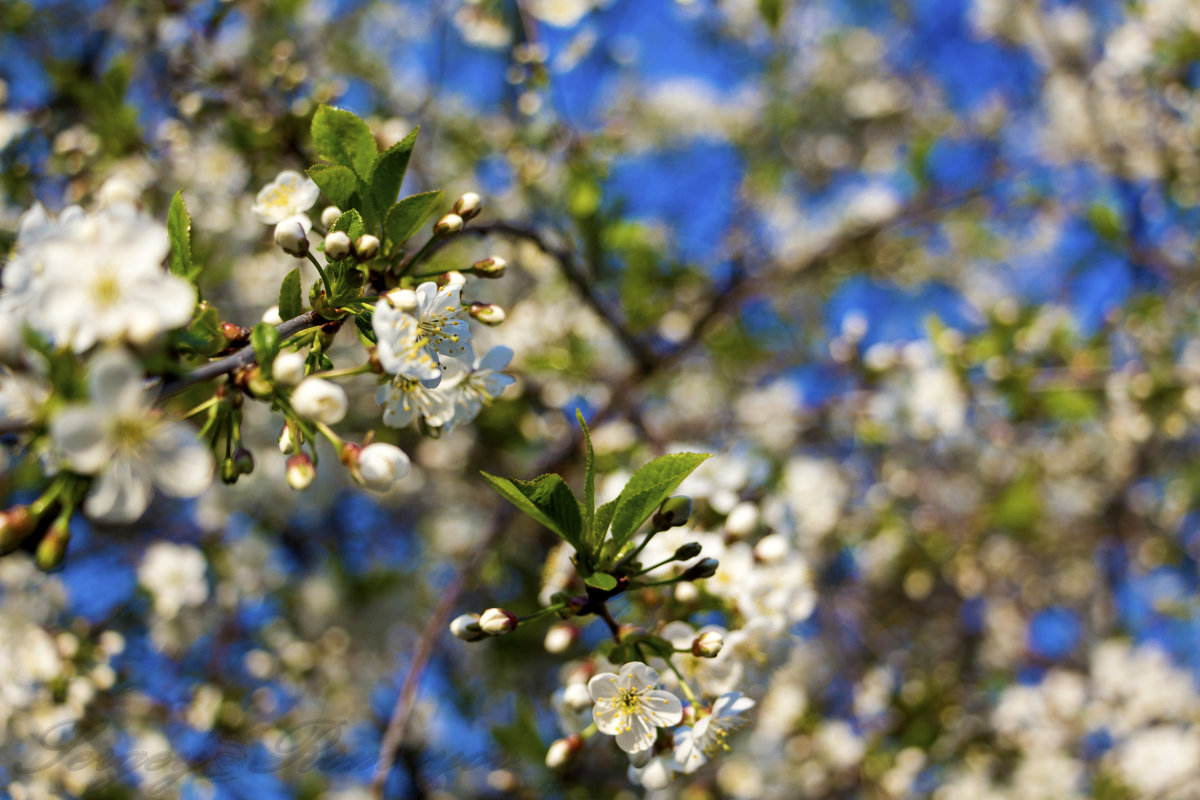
352, 223
265, 340
343, 138
388, 172
602, 581
601, 521
646, 490
179, 232
547, 499
406, 217
589, 487
337, 182
290, 304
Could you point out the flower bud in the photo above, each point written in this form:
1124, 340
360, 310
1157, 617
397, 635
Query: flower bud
229, 471
468, 206
559, 637
576, 696
487, 313
561, 751
243, 459
402, 299
451, 278
366, 247
686, 593
772, 548
708, 644
292, 238
497, 622
741, 520
286, 440
686, 552
337, 245
300, 471
381, 466
490, 267
52, 549
673, 512
271, 316
466, 627
320, 400
288, 368
15, 525
329, 216
704, 568
448, 225
234, 334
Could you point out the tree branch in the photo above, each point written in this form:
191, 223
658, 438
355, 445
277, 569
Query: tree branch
242, 358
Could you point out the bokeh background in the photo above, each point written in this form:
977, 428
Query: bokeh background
920, 274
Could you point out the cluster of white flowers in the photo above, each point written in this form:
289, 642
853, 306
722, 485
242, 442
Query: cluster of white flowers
1136, 708
415, 329
84, 279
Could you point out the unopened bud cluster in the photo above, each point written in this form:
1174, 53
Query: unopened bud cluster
493, 622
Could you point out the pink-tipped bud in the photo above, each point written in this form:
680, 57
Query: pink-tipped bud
292, 238
708, 644
497, 622
560, 636
491, 267
468, 206
448, 225
487, 313
561, 751
300, 471
337, 245
366, 247
466, 627
15, 525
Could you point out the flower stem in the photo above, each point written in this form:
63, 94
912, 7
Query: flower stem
683, 684
424, 251
321, 272
344, 373
541, 612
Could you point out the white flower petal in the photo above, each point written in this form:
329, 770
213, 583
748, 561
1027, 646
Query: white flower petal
79, 434
182, 466
120, 494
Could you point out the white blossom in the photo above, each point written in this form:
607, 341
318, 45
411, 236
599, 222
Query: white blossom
119, 438
630, 708
695, 745
174, 576
288, 195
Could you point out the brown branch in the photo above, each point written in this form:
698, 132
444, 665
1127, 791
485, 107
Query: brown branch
242, 358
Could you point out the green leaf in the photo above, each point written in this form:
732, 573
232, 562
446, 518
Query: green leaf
179, 232
363, 324
265, 340
601, 521
547, 499
337, 182
772, 12
290, 303
646, 490
352, 223
657, 645
406, 217
388, 172
602, 581
343, 138
589, 487
207, 327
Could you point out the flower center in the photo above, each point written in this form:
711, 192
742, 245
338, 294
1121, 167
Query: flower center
130, 433
628, 701
106, 290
